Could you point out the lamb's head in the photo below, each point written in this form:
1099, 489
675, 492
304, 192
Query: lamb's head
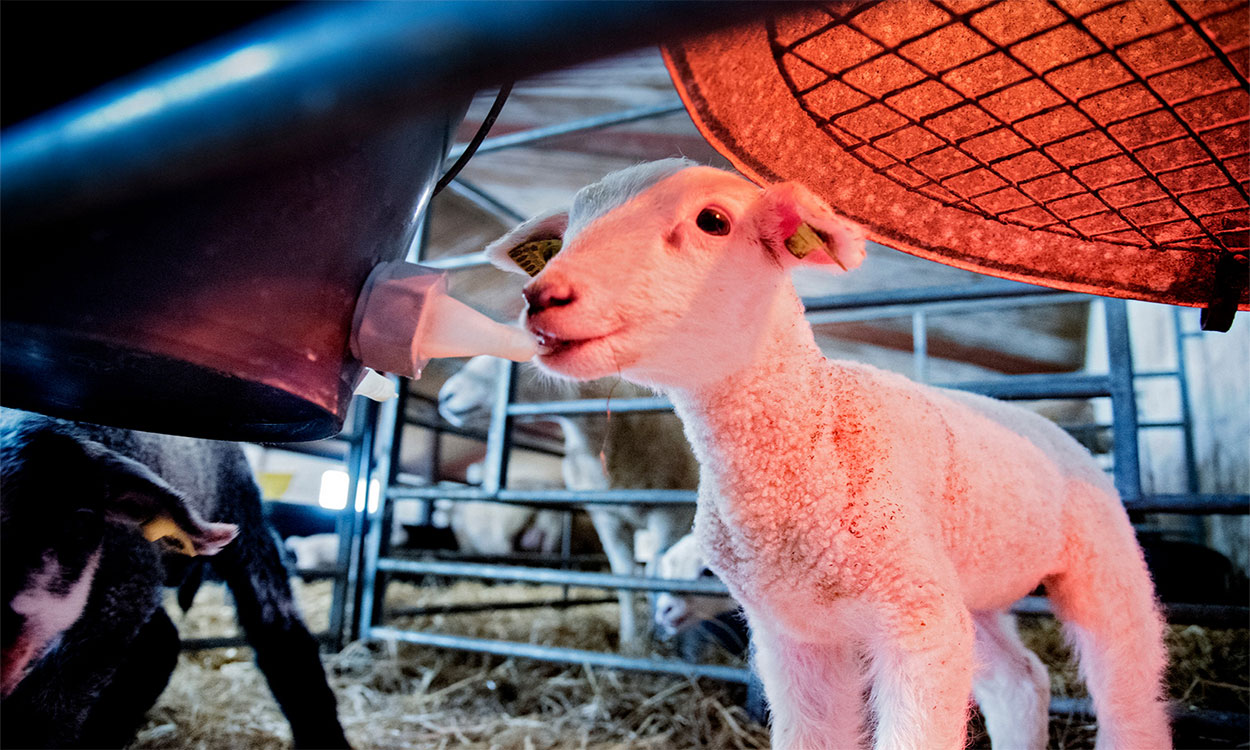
677, 612
668, 273
58, 493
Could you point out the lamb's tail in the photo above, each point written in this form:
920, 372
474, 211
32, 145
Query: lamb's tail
1106, 601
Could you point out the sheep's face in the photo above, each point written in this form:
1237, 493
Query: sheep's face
652, 286
677, 612
671, 285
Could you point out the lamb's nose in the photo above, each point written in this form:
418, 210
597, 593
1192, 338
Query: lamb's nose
667, 611
549, 294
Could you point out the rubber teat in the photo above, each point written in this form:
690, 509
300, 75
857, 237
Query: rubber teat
404, 317
453, 329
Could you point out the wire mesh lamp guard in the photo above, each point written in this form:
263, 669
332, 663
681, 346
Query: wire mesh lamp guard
1091, 145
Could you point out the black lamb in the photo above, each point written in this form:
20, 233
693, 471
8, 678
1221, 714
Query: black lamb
94, 522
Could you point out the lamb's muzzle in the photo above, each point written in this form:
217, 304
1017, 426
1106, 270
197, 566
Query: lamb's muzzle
542, 296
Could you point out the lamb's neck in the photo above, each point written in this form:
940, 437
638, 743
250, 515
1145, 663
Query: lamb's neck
757, 402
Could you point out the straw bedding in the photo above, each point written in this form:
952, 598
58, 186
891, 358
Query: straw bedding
403, 696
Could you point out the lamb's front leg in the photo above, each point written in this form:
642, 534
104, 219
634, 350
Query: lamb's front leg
618, 545
921, 667
814, 690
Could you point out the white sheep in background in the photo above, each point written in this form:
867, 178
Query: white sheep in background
313, 551
483, 528
675, 613
696, 621
643, 451
873, 529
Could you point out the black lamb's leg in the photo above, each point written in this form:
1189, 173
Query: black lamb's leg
286, 652
144, 672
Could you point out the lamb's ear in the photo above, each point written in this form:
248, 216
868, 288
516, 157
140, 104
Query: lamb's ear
527, 248
794, 223
136, 496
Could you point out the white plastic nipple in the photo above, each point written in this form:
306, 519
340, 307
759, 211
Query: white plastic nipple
404, 317
453, 329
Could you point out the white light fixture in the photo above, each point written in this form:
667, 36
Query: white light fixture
333, 494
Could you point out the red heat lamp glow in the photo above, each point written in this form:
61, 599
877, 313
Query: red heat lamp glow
1092, 145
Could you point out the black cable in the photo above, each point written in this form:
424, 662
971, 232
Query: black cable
478, 137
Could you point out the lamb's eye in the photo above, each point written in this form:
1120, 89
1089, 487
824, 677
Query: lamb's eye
705, 573
713, 221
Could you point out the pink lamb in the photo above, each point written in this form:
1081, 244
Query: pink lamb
876, 531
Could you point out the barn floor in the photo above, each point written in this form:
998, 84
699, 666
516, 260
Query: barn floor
402, 696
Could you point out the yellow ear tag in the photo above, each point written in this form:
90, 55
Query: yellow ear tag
805, 240
163, 527
533, 256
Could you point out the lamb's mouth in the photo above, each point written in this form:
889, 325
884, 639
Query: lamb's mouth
550, 345
675, 625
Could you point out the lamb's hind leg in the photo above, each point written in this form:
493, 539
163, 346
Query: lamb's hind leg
814, 691
1106, 602
1010, 685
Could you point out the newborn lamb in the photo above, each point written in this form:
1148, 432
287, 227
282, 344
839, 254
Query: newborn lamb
875, 531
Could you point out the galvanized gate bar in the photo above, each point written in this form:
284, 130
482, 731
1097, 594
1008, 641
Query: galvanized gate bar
1123, 399
1202, 504
351, 522
600, 497
1229, 503
926, 295
377, 541
1031, 387
565, 655
499, 434
848, 315
485, 201
522, 440
548, 497
1179, 613
590, 406
1182, 386
461, 609
1196, 718
573, 127
521, 574
1010, 387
